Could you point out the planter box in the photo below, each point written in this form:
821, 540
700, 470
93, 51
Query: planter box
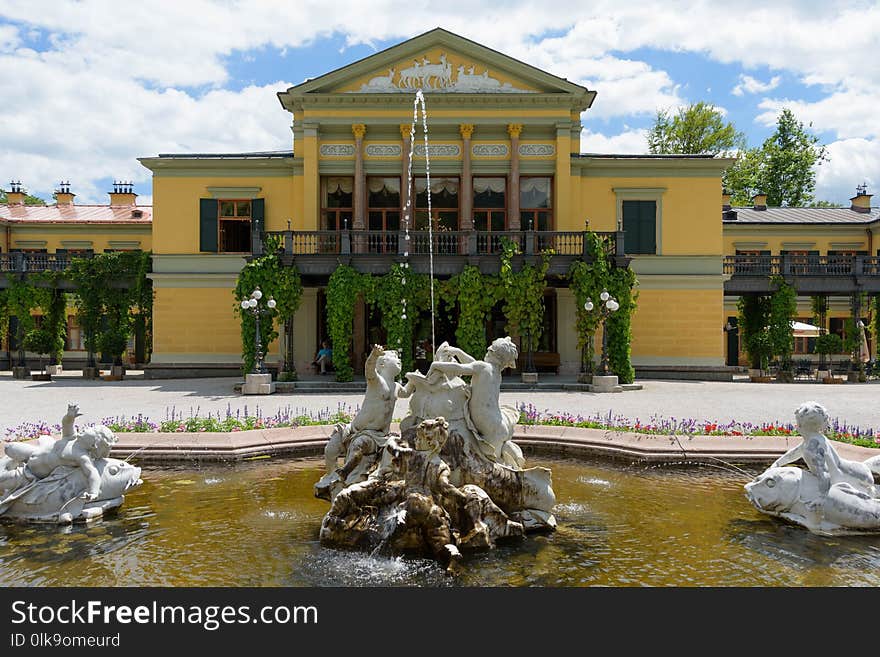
54, 370
852, 377
91, 373
41, 376
761, 379
112, 377
529, 377
21, 372
832, 379
117, 371
585, 378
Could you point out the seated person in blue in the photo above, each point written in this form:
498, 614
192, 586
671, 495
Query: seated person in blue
323, 359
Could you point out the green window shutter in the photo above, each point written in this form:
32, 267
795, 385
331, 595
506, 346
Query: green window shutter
258, 215
208, 208
648, 226
640, 226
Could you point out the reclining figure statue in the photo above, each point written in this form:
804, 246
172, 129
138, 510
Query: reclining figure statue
71, 478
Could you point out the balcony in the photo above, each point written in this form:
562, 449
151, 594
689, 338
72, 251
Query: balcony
808, 274
317, 253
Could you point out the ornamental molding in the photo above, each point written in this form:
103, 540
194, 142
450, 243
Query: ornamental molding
383, 150
439, 150
490, 150
536, 150
337, 150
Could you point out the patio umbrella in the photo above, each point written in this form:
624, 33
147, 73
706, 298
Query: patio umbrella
802, 330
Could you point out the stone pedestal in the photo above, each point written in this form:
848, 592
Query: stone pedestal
258, 384
529, 377
605, 384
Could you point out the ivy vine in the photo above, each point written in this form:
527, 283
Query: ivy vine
782, 312
343, 289
622, 286
277, 281
475, 294
754, 313
523, 292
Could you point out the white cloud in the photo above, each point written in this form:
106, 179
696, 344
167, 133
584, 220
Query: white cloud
749, 85
9, 38
848, 113
850, 162
629, 142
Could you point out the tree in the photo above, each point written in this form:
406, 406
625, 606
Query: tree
28, 199
696, 129
783, 167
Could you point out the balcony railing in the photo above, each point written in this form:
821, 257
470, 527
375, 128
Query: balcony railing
445, 243
800, 265
35, 262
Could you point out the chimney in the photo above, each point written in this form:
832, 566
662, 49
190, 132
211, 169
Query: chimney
759, 201
123, 193
861, 202
63, 195
725, 199
16, 193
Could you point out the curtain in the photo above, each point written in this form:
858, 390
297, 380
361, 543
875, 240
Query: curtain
376, 184
340, 183
530, 185
437, 185
494, 185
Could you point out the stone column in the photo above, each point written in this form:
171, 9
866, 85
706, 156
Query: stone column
513, 223
405, 130
466, 222
360, 183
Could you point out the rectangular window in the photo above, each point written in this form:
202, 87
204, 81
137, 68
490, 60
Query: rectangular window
490, 212
337, 202
640, 227
234, 226
75, 336
383, 213
444, 213
536, 203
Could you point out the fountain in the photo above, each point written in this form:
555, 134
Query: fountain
452, 478
832, 496
65, 480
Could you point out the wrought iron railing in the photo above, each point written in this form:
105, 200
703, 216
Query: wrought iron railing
802, 265
35, 262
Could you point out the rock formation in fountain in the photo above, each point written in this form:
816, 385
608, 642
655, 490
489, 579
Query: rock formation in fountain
64, 480
831, 495
452, 479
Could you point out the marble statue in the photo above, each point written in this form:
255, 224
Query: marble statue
831, 495
360, 441
453, 479
71, 478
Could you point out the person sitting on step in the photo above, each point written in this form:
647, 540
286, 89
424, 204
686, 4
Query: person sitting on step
323, 359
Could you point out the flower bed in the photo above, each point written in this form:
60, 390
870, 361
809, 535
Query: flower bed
243, 420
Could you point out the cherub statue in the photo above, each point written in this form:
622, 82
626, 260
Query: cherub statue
66, 479
494, 424
368, 431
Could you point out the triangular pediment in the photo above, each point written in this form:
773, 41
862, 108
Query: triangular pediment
438, 62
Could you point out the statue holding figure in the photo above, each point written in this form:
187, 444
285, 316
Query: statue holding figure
71, 478
452, 479
493, 424
831, 495
360, 441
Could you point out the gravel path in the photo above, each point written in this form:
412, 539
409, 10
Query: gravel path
28, 401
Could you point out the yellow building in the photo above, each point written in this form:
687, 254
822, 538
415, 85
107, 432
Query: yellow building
504, 143
826, 253
37, 238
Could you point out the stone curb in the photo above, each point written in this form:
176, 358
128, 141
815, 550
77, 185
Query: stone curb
545, 440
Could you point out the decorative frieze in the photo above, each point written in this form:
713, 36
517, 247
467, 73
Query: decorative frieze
337, 150
383, 150
537, 150
439, 150
490, 150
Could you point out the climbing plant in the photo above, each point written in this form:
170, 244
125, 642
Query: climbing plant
587, 279
475, 294
819, 308
782, 312
523, 293
875, 324
385, 293
343, 289
111, 289
622, 286
754, 311
276, 281
21, 298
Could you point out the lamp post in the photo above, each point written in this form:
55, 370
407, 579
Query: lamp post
607, 305
252, 305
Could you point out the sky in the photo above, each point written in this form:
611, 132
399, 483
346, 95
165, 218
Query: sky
88, 86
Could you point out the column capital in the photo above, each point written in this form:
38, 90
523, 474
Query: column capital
405, 130
514, 129
358, 130
466, 130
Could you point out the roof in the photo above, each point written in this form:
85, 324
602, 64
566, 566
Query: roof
76, 214
748, 215
646, 156
226, 156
